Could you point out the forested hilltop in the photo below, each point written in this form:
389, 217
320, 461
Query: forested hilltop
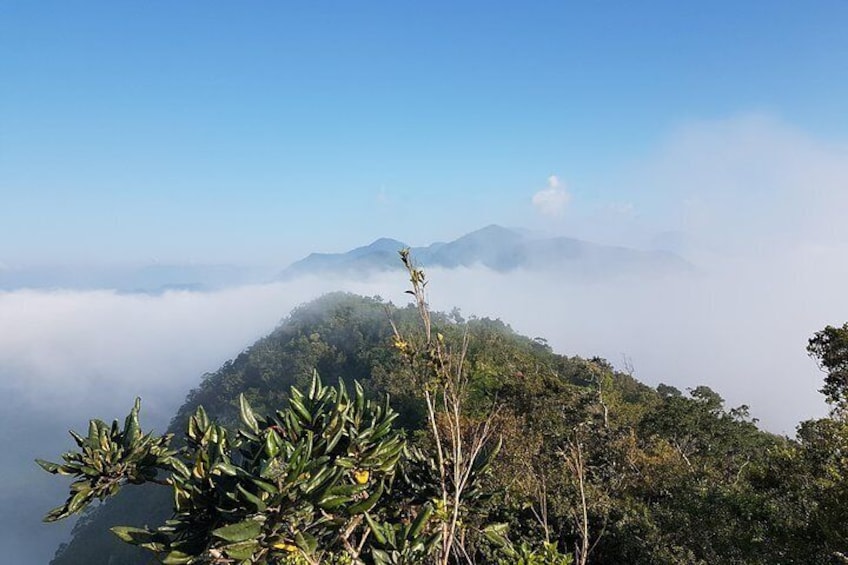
603, 468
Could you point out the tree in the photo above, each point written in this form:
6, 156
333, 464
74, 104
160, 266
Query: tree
464, 448
829, 348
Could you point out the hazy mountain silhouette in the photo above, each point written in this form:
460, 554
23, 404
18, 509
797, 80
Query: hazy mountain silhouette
147, 279
500, 249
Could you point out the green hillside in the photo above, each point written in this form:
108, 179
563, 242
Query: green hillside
667, 477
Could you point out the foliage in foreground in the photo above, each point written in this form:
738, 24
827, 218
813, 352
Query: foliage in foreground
303, 484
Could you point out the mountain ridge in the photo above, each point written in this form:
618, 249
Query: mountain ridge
500, 249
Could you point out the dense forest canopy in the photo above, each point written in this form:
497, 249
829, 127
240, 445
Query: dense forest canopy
594, 466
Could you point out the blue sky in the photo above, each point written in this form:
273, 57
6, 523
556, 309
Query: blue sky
256, 132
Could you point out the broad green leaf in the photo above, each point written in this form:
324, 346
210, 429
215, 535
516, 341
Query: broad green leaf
272, 443
496, 533
176, 558
380, 557
53, 468
376, 529
252, 498
240, 531
132, 431
247, 415
299, 409
134, 536
266, 486
241, 550
331, 502
306, 542
421, 520
80, 441
367, 504
227, 468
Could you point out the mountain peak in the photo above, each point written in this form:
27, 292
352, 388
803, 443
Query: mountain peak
494, 230
386, 244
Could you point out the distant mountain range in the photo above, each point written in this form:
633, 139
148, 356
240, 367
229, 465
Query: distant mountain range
494, 247
145, 279
500, 249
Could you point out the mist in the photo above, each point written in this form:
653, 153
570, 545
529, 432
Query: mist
757, 206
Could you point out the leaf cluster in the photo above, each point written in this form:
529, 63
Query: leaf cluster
303, 483
109, 457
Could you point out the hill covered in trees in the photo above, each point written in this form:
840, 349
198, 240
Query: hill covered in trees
592, 461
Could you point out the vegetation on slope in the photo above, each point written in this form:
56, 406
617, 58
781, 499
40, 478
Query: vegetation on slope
593, 463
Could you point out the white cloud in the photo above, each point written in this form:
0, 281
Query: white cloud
552, 201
